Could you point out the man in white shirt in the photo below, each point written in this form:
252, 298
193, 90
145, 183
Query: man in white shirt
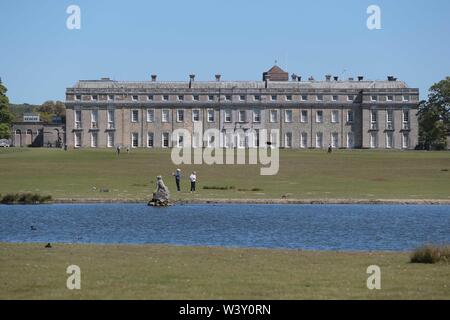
193, 179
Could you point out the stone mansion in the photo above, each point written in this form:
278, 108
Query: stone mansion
343, 113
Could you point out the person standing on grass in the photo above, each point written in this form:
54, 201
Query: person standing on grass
193, 179
177, 176
330, 149
118, 150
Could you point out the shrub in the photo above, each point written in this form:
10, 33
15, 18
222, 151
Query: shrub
431, 254
24, 198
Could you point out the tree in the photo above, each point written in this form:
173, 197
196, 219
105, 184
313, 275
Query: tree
434, 117
6, 117
49, 109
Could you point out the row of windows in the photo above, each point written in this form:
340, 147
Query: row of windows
28, 131
247, 141
304, 97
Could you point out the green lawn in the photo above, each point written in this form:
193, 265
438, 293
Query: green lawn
29, 271
312, 174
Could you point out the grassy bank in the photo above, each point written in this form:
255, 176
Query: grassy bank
312, 174
30, 271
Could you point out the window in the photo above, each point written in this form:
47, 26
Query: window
210, 97
350, 98
335, 98
350, 140
94, 119
78, 97
110, 119
405, 119
29, 132
78, 119
257, 97
134, 115
303, 140
273, 116
77, 139
150, 97
319, 97
257, 116
304, 97
319, 116
227, 115
134, 140
210, 115
180, 115
227, 98
211, 140
196, 98
273, 98
165, 140
288, 140
373, 98
242, 98
350, 116
150, 115
335, 140
389, 140
287, 116
274, 137
110, 97
389, 120
241, 116
334, 116
304, 116
405, 140
165, 97
319, 140
150, 140
18, 131
373, 120
195, 115
110, 140
405, 98
94, 136
180, 98
135, 98
289, 98
165, 115
390, 98
95, 97
180, 141
373, 140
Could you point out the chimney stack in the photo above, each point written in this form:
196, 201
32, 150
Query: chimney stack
192, 77
336, 78
217, 77
294, 77
391, 78
360, 78
153, 77
328, 77
299, 78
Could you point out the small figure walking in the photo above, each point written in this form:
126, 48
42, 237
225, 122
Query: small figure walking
193, 179
177, 176
330, 149
118, 150
128, 150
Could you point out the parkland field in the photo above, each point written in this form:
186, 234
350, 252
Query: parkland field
314, 175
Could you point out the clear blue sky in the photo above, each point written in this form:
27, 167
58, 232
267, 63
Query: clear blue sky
130, 40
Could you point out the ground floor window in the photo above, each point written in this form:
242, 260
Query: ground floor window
77, 139
350, 140
335, 140
389, 140
288, 140
110, 142
303, 140
165, 140
373, 140
319, 140
180, 142
405, 140
134, 140
150, 140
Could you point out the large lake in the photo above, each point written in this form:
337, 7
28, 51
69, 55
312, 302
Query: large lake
318, 227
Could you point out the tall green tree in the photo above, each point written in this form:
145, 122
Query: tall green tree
434, 117
6, 117
52, 108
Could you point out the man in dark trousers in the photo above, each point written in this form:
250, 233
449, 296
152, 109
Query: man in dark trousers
177, 176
